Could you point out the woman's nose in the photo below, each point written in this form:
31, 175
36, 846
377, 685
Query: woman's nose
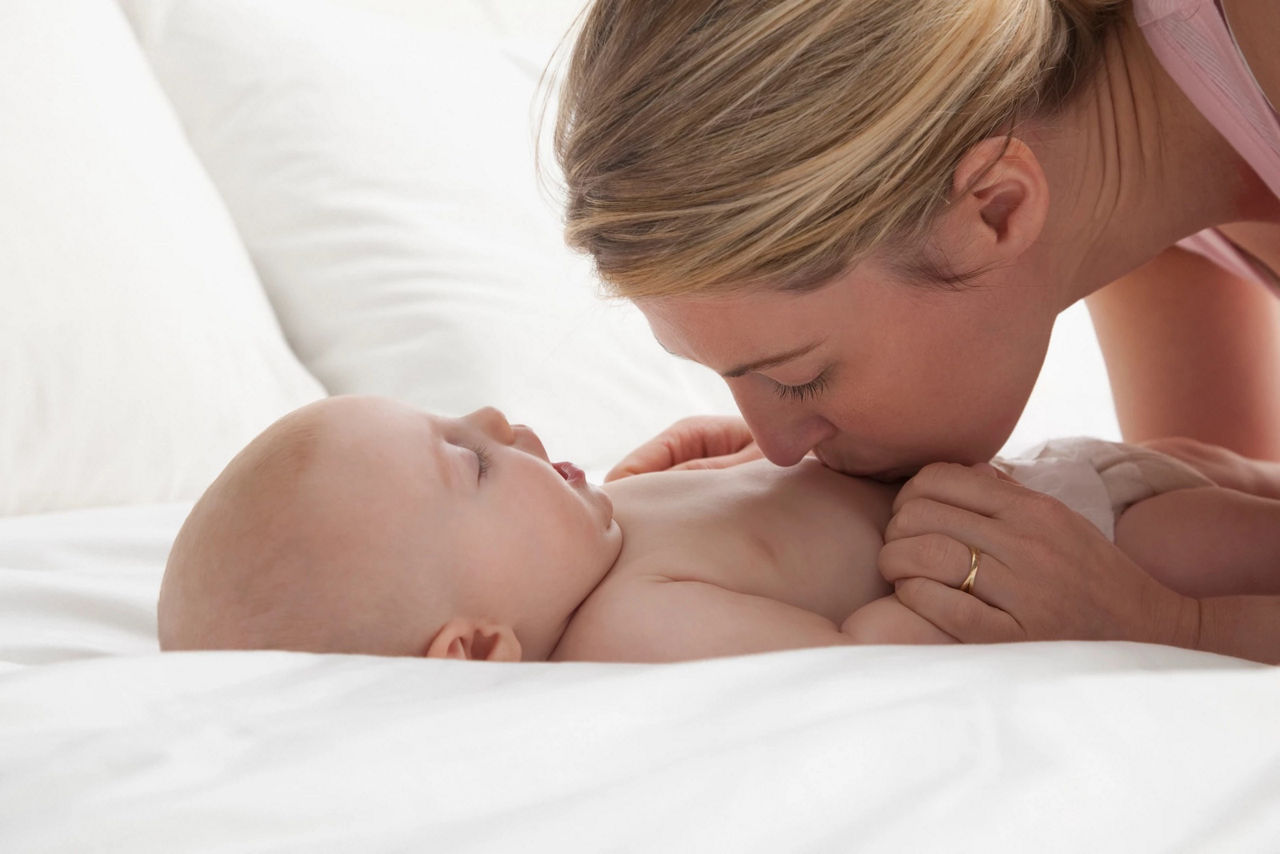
783, 432
492, 423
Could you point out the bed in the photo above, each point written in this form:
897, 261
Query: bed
218, 210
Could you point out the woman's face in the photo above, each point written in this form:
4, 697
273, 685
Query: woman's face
876, 375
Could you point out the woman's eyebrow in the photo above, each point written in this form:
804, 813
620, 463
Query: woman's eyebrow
771, 361
759, 364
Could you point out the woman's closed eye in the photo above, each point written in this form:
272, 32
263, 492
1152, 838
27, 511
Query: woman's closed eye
805, 391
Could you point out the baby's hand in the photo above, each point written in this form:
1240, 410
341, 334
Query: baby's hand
888, 621
1225, 468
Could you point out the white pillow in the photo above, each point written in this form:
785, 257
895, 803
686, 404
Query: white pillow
382, 177
138, 351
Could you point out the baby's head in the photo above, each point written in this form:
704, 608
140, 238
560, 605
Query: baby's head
362, 525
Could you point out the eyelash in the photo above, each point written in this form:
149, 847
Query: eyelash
482, 456
800, 393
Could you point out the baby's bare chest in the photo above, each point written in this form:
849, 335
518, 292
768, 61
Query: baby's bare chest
804, 536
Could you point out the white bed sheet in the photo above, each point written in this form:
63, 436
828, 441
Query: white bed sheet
83, 583
107, 745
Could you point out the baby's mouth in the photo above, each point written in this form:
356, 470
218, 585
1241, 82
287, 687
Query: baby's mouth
570, 472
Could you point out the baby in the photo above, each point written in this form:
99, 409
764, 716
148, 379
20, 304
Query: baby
362, 525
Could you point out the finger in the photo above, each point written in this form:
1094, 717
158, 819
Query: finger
926, 516
689, 439
716, 436
746, 455
654, 455
940, 558
963, 486
966, 618
935, 556
992, 471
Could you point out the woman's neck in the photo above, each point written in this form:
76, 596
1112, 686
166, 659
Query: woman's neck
1134, 167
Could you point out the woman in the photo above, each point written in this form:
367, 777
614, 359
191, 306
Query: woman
866, 215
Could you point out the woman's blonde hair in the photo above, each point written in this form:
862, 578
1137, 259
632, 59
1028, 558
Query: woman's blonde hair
711, 145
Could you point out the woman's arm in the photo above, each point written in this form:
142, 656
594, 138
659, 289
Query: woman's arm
1194, 351
1243, 626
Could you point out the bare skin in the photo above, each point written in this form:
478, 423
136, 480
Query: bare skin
1096, 194
360, 525
748, 560
383, 532
1070, 204
1154, 140
1193, 351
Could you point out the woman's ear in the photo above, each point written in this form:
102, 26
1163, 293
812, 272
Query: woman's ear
999, 202
473, 639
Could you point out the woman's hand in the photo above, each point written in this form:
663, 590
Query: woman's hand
1045, 572
697, 442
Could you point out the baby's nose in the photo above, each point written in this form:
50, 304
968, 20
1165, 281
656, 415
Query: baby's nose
526, 440
492, 423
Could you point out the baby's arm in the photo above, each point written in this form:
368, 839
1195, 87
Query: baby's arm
1206, 542
1223, 467
655, 618
886, 620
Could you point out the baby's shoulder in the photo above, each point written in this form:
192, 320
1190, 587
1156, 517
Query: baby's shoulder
598, 629
628, 618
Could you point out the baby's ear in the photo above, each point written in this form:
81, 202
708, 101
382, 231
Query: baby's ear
475, 640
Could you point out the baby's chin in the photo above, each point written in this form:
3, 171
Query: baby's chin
615, 535
597, 560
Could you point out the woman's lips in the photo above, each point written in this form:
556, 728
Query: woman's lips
570, 472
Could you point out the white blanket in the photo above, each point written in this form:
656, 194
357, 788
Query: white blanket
107, 745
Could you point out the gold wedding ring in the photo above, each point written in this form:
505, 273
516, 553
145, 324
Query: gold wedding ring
966, 586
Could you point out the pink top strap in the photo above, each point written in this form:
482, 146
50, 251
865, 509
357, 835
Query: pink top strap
1194, 43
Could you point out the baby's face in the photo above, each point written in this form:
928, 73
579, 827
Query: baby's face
472, 504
